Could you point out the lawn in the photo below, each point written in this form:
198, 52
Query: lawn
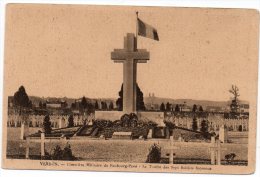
120, 150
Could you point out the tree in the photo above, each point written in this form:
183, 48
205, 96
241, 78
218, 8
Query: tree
200, 109
96, 105
194, 109
103, 105
84, 103
168, 106
235, 91
234, 106
47, 125
71, 121
40, 104
139, 99
90, 108
21, 100
119, 101
177, 108
204, 126
85, 106
44, 105
162, 107
73, 106
154, 155
111, 106
194, 124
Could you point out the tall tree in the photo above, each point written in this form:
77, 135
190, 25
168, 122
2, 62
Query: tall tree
177, 108
21, 100
200, 109
47, 124
194, 109
104, 105
234, 106
111, 106
71, 121
204, 126
84, 102
86, 107
119, 101
139, 99
162, 107
40, 104
96, 106
73, 106
168, 106
194, 124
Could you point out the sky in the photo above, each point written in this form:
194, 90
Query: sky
64, 50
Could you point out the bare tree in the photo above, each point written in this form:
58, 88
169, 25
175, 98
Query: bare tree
234, 106
234, 90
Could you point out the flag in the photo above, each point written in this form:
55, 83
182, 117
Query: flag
146, 30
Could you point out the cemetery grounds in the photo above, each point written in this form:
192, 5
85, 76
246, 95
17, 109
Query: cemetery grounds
131, 151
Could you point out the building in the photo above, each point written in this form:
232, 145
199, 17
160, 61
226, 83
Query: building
244, 108
56, 104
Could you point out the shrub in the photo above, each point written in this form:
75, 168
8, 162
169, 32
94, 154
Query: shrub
57, 153
230, 157
154, 155
65, 154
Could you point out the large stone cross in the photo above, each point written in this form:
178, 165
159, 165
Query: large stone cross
129, 56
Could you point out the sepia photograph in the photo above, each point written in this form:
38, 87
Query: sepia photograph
130, 88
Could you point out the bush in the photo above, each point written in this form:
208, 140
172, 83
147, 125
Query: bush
57, 153
65, 154
230, 157
154, 155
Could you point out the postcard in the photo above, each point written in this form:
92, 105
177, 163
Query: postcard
130, 88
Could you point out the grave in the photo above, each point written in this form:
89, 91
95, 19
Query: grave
122, 135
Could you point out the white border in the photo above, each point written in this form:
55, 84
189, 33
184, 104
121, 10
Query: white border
250, 4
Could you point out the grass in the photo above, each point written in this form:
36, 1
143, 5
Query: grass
134, 151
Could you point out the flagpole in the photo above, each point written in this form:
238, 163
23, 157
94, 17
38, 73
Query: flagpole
136, 33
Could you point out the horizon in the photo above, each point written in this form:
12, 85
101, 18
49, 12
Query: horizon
108, 98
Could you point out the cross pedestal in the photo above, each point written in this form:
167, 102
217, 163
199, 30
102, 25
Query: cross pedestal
129, 56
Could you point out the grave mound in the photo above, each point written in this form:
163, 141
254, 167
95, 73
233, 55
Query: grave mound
59, 132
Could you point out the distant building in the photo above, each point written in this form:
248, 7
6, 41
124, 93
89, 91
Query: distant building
214, 109
150, 105
56, 104
244, 108
185, 108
